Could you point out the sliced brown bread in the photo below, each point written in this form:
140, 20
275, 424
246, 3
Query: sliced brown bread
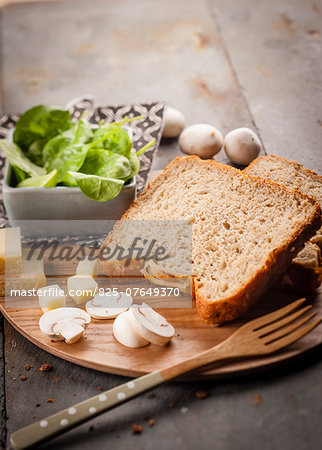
305, 272
245, 230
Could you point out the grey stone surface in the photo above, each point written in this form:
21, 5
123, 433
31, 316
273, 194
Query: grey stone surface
232, 64
276, 52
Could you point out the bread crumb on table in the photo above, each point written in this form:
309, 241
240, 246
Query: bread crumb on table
23, 377
45, 368
257, 399
137, 429
201, 394
28, 366
151, 423
50, 400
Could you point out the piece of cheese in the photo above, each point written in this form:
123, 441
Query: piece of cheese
10, 251
51, 297
86, 267
32, 276
81, 288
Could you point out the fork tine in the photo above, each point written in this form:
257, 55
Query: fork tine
272, 317
293, 337
287, 330
281, 323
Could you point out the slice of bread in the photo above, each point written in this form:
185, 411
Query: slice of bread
305, 272
245, 230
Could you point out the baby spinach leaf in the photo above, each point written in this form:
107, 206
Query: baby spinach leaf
106, 164
98, 188
135, 164
81, 132
134, 159
67, 151
35, 151
19, 175
17, 158
48, 180
40, 122
113, 138
61, 154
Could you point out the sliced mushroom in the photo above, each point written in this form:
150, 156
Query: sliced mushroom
155, 275
126, 333
108, 306
64, 323
150, 324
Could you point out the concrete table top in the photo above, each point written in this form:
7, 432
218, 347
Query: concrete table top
248, 63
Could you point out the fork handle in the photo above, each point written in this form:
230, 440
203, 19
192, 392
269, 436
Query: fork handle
71, 417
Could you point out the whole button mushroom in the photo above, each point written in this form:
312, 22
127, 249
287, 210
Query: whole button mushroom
174, 123
242, 146
202, 140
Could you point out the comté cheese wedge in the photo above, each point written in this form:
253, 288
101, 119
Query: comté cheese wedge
32, 276
81, 288
86, 267
51, 297
10, 251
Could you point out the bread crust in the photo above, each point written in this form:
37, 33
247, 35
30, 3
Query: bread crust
295, 164
217, 312
301, 278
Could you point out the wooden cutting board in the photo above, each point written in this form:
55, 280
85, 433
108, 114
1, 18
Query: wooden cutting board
97, 349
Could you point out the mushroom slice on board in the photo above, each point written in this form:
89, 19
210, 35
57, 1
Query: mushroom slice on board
64, 323
108, 305
125, 332
150, 324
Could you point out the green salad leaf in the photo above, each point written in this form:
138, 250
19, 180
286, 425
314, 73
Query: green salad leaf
67, 151
113, 138
51, 148
18, 159
98, 188
106, 164
61, 154
35, 151
135, 164
48, 180
40, 122
19, 174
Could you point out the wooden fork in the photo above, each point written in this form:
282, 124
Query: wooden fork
261, 336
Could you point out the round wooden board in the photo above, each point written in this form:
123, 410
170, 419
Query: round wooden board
97, 349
